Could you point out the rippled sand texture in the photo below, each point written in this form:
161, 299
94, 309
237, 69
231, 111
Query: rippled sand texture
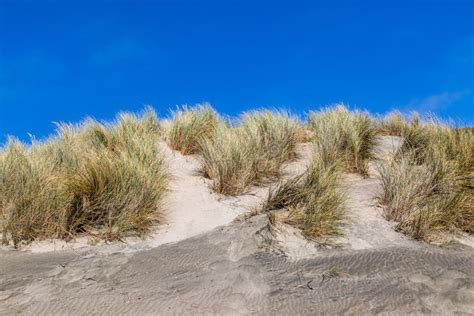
230, 271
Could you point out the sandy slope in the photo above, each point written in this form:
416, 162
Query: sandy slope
192, 208
192, 267
365, 228
230, 271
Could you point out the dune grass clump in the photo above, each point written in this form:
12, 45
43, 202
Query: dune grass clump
394, 124
426, 199
236, 157
314, 200
106, 180
275, 135
228, 159
304, 134
433, 135
190, 126
30, 198
428, 188
349, 136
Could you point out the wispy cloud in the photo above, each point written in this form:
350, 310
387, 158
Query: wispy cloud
434, 102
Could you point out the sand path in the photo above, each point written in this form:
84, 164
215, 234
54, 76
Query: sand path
365, 218
192, 208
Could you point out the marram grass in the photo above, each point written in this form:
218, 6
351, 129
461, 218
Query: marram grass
106, 180
236, 157
345, 135
428, 188
191, 126
314, 200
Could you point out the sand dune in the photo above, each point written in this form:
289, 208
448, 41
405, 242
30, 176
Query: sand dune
205, 262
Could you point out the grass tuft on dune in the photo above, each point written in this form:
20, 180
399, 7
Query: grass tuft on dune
106, 180
428, 188
342, 141
191, 126
313, 199
394, 124
236, 157
349, 136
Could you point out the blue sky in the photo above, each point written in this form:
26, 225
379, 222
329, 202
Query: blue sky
65, 60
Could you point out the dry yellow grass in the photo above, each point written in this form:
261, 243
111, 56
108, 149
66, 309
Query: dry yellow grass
428, 188
190, 126
394, 124
236, 157
314, 199
106, 180
349, 136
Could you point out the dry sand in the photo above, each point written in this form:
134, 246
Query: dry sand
203, 262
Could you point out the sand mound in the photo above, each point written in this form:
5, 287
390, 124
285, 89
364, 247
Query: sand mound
205, 262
